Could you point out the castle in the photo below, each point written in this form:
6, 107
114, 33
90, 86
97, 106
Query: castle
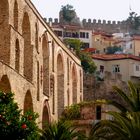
36, 66
107, 26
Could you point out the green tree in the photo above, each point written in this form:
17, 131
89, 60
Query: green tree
113, 49
61, 130
68, 13
133, 22
121, 128
125, 124
86, 59
12, 123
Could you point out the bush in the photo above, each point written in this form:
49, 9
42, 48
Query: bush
12, 123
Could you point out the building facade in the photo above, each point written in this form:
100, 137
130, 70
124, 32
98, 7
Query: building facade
123, 66
36, 66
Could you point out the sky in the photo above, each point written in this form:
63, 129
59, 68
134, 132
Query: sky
94, 9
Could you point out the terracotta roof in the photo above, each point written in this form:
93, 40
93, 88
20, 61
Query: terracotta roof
107, 57
103, 34
89, 49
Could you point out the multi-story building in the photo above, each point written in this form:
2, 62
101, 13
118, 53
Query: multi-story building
126, 66
101, 41
65, 31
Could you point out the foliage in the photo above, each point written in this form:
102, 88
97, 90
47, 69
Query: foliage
125, 124
86, 59
12, 123
71, 112
131, 99
61, 130
133, 21
68, 13
113, 49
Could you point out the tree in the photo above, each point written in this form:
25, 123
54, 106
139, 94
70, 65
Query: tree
113, 49
86, 59
121, 128
12, 123
133, 22
61, 130
68, 13
125, 124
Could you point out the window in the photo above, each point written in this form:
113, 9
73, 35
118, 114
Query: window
68, 34
130, 46
85, 45
116, 68
82, 35
87, 35
101, 68
137, 67
59, 33
98, 112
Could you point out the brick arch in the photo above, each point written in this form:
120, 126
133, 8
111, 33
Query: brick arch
45, 53
28, 103
16, 15
4, 31
45, 114
60, 84
74, 83
5, 85
28, 49
17, 55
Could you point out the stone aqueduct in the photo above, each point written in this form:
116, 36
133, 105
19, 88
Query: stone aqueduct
35, 65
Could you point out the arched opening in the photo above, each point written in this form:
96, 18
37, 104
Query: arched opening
28, 49
68, 97
17, 56
4, 32
60, 85
38, 87
74, 84
16, 16
68, 71
52, 90
28, 103
53, 48
45, 115
5, 84
36, 37
45, 66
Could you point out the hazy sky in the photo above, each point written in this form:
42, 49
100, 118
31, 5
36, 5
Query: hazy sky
98, 9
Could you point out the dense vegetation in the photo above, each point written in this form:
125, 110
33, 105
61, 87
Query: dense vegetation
13, 124
86, 59
68, 13
125, 124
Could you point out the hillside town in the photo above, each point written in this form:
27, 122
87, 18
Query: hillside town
66, 78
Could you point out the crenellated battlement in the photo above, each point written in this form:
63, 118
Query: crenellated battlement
105, 25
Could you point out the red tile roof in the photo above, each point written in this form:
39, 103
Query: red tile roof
89, 49
108, 57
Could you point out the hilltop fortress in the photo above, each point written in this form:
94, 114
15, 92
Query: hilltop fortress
107, 26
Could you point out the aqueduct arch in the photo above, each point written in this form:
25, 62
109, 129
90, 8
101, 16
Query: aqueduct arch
45, 114
74, 84
28, 103
28, 49
16, 16
60, 84
4, 31
17, 55
45, 51
5, 85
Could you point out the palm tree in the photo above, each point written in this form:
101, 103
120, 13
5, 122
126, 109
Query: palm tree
131, 99
121, 128
61, 130
125, 124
